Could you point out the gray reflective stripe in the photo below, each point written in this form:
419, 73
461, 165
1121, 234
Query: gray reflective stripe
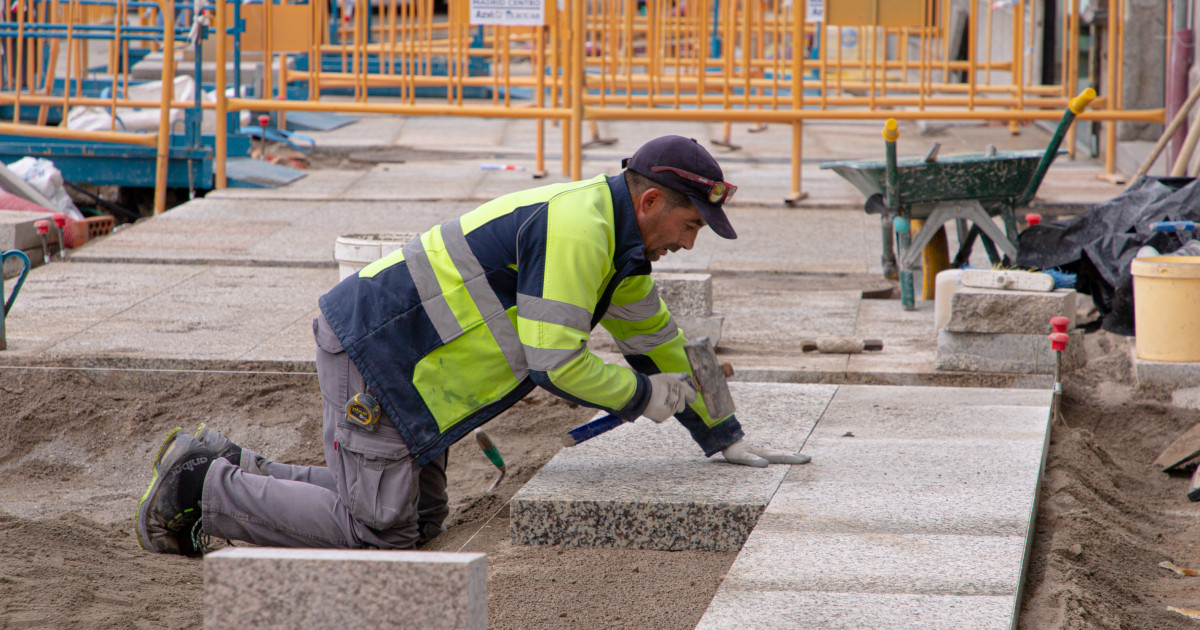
553, 312
550, 360
644, 308
484, 297
432, 300
641, 344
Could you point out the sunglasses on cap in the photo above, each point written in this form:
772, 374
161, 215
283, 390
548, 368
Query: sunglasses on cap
718, 192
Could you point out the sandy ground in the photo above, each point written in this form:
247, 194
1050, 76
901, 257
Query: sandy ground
75, 452
75, 449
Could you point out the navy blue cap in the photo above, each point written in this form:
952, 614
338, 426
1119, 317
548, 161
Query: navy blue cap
688, 155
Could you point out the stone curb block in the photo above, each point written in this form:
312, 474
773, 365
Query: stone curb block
260, 587
1012, 353
1014, 312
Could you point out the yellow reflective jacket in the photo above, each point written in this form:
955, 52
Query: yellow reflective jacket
461, 323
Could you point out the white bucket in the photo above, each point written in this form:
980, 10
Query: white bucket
946, 283
355, 251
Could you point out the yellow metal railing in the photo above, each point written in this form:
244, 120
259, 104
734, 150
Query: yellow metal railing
756, 61
49, 41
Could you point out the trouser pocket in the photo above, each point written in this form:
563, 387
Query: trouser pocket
380, 477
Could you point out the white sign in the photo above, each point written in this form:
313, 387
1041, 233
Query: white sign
508, 12
816, 11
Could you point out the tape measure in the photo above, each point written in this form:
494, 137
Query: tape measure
363, 411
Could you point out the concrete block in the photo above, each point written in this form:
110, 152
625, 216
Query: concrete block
12, 266
696, 326
693, 327
922, 463
17, 231
648, 486
935, 413
1014, 312
1019, 353
809, 610
1164, 374
879, 398
259, 587
1188, 398
687, 294
872, 562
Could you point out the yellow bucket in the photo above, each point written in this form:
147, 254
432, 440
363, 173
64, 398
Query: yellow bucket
1166, 308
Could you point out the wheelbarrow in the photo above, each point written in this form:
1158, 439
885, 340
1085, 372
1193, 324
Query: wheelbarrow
974, 187
6, 305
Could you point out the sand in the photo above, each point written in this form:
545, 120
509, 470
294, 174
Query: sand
76, 446
75, 453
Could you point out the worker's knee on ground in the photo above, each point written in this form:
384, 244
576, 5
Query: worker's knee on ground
428, 531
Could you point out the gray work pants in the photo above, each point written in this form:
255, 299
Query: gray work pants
371, 494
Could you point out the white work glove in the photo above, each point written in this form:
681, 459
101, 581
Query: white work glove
669, 394
747, 454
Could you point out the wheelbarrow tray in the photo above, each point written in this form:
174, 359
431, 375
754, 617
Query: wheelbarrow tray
1001, 176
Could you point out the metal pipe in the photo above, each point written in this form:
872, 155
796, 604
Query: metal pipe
164, 122
140, 139
222, 133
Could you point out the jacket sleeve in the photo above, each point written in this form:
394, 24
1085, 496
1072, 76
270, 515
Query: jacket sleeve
648, 337
564, 263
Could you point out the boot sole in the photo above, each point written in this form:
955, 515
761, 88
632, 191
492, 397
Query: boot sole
143, 533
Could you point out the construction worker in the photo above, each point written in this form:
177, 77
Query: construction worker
421, 347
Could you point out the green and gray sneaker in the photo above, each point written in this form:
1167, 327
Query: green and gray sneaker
168, 518
223, 446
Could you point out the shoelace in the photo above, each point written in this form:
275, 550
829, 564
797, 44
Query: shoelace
201, 541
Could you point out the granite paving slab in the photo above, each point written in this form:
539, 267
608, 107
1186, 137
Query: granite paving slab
263, 232
354, 588
429, 181
916, 512
171, 314
787, 610
319, 184
648, 486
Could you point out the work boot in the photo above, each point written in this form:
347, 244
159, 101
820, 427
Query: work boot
168, 518
223, 446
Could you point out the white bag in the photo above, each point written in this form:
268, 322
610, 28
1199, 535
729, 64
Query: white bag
95, 118
43, 176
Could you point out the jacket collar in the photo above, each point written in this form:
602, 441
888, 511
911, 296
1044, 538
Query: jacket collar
628, 238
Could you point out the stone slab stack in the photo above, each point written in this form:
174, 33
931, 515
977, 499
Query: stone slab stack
999, 330
260, 587
17, 232
689, 298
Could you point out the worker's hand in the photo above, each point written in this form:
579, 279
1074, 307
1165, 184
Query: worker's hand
747, 454
670, 393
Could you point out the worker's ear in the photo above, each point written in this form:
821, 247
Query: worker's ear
649, 202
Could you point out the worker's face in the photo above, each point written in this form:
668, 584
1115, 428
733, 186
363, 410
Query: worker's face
665, 229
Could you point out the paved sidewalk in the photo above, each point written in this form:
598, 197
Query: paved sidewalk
916, 512
275, 248
231, 281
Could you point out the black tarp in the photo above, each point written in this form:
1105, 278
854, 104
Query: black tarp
1100, 245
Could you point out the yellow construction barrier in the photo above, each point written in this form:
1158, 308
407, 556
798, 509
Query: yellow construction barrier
754, 61
54, 41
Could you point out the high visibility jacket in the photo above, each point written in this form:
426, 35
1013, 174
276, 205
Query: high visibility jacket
464, 321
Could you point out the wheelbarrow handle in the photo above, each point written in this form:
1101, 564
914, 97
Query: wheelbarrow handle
1074, 108
891, 132
1080, 103
5, 306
